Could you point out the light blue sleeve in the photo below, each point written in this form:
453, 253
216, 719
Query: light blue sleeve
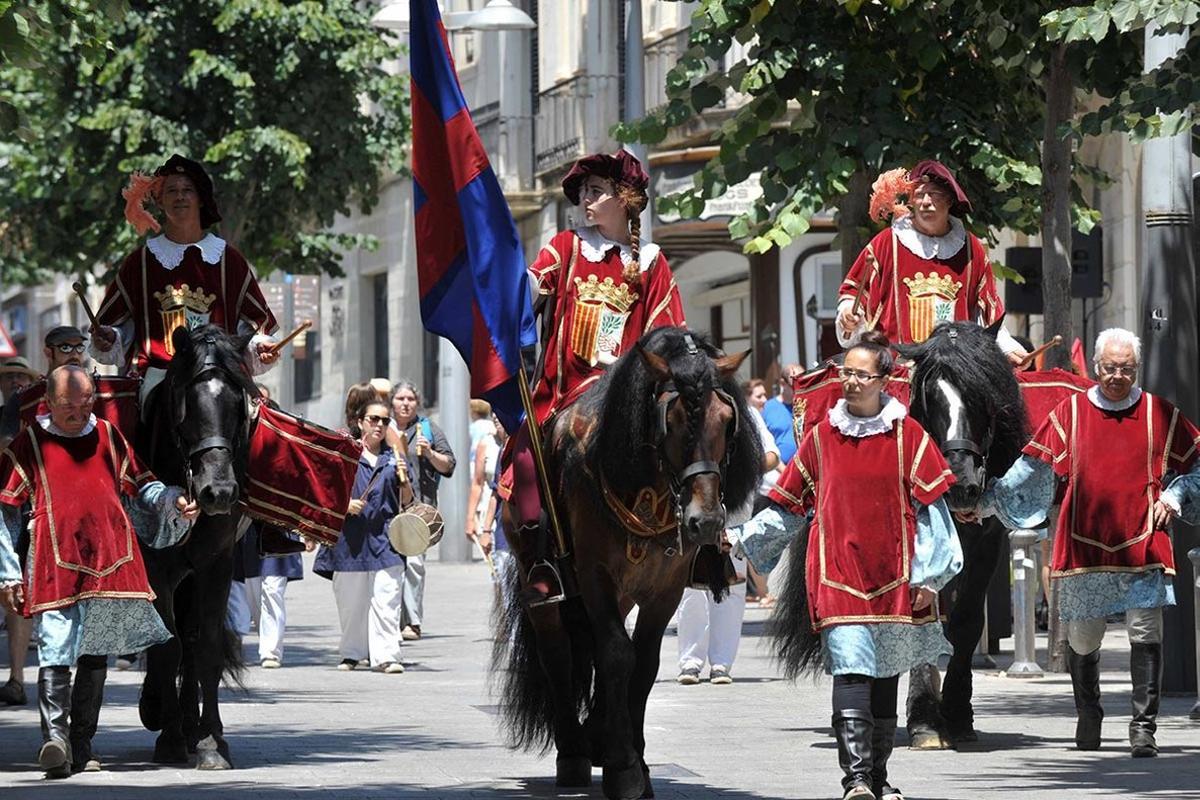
938, 556
1023, 497
1183, 495
762, 540
10, 529
155, 519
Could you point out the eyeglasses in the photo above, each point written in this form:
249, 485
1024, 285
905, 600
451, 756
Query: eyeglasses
845, 373
67, 349
375, 420
1121, 370
67, 404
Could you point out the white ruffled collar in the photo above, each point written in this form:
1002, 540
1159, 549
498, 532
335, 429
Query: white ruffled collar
1097, 398
52, 429
594, 246
170, 254
859, 427
930, 247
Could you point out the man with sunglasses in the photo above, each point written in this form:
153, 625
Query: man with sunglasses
924, 269
1130, 466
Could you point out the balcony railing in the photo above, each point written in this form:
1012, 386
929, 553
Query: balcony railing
572, 119
663, 55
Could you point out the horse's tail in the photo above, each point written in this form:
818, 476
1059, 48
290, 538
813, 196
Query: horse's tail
797, 646
523, 686
233, 664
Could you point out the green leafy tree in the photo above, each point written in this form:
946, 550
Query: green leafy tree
288, 103
840, 90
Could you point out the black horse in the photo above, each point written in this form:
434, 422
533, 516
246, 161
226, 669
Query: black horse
664, 419
965, 395
196, 435
963, 392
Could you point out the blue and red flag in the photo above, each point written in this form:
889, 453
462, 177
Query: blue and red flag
470, 262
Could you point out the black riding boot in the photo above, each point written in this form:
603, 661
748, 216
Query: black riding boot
54, 703
1085, 682
1145, 668
883, 740
854, 730
544, 581
86, 700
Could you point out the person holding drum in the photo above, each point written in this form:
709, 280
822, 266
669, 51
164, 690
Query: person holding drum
367, 574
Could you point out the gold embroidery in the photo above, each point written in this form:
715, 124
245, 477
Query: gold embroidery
931, 300
183, 307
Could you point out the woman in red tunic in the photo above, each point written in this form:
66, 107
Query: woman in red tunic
881, 543
599, 289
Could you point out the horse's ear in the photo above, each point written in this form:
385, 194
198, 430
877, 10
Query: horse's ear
993, 330
181, 339
728, 365
658, 366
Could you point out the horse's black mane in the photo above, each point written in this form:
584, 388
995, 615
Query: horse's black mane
228, 352
967, 357
623, 450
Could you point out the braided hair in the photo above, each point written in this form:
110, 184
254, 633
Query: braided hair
635, 201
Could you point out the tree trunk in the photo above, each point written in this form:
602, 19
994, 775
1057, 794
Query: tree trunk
853, 222
1056, 209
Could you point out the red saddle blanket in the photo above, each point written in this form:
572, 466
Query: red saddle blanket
1042, 390
116, 400
300, 475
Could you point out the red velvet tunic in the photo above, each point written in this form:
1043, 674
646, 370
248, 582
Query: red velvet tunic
192, 294
907, 295
1115, 463
817, 391
860, 545
597, 316
84, 545
1043, 390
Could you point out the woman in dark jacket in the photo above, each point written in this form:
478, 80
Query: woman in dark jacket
368, 575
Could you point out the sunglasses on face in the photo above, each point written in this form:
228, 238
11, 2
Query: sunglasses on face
67, 349
374, 420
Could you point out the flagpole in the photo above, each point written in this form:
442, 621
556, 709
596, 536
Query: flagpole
535, 441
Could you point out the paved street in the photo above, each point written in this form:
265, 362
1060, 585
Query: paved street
308, 731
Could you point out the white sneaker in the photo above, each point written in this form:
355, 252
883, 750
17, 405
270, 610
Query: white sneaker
347, 664
411, 633
271, 663
391, 668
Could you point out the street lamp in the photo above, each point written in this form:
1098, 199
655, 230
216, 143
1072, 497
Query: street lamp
497, 15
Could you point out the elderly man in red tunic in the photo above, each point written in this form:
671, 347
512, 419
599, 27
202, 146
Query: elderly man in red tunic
84, 582
1129, 462
183, 277
925, 268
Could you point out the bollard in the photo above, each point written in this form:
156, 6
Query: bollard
1026, 582
1194, 555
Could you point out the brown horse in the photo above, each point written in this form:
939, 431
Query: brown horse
644, 466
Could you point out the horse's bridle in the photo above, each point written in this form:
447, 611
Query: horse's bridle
980, 451
668, 394
210, 364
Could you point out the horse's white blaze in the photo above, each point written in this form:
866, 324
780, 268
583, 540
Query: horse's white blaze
214, 386
954, 404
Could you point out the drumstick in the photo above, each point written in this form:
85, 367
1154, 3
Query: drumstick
301, 328
1029, 357
858, 297
371, 485
486, 555
87, 307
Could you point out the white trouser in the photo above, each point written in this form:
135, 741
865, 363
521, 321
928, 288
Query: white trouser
238, 610
708, 630
369, 609
265, 597
1144, 626
414, 591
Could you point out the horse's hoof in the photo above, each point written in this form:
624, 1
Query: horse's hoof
626, 783
649, 790
928, 740
964, 734
573, 772
170, 751
150, 711
209, 754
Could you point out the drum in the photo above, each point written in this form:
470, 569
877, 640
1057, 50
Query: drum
416, 529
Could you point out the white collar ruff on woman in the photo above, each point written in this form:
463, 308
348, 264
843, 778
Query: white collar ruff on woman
858, 427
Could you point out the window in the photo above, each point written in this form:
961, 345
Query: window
306, 374
379, 294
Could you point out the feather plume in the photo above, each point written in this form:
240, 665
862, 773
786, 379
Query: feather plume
886, 194
141, 185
